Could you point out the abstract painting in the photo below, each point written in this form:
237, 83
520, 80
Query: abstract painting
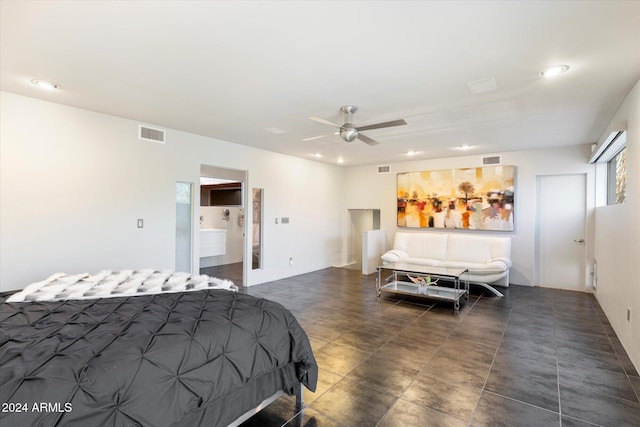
479, 198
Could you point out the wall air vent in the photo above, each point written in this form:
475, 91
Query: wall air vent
384, 169
147, 133
491, 160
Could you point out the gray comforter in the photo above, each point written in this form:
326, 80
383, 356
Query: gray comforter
191, 358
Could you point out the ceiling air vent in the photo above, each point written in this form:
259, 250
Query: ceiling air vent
484, 85
147, 133
384, 169
490, 160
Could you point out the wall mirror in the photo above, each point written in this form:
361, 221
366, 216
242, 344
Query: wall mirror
256, 239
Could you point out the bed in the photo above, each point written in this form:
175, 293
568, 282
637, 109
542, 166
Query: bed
168, 350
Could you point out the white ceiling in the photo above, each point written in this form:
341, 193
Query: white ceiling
230, 70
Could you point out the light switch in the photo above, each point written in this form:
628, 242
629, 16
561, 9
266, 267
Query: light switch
277, 220
140, 223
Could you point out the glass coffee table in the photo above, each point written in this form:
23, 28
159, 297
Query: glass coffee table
422, 281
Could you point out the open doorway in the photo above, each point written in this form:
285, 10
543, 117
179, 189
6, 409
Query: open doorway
361, 220
222, 223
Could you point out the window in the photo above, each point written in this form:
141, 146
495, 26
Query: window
611, 159
617, 178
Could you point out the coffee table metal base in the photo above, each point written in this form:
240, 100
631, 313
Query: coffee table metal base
434, 292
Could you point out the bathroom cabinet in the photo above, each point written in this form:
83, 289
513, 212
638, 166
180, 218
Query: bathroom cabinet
221, 195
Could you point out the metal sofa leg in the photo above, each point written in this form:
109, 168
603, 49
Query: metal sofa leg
489, 287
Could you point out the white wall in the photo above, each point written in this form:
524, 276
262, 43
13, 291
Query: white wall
617, 240
73, 182
380, 192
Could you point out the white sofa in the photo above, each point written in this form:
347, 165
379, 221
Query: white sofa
488, 258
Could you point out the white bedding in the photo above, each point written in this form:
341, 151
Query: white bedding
107, 283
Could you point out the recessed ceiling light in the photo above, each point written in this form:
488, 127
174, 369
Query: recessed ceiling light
411, 153
464, 147
317, 155
45, 84
340, 160
554, 70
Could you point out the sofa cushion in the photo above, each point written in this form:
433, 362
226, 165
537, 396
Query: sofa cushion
467, 248
478, 268
422, 245
424, 261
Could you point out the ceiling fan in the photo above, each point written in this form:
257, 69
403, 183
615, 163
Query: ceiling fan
348, 131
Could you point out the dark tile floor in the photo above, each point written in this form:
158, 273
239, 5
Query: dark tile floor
231, 272
536, 357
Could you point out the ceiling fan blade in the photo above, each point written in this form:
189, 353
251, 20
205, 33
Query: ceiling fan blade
383, 125
311, 138
367, 140
314, 137
323, 121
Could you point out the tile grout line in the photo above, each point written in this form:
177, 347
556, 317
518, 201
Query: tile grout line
422, 368
491, 366
615, 351
516, 400
398, 397
427, 362
344, 377
555, 346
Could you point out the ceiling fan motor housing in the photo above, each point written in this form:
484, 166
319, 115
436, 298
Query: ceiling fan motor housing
348, 132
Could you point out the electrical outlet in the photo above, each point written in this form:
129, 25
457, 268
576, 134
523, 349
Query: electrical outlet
140, 223
290, 260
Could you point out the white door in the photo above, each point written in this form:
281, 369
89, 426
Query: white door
561, 231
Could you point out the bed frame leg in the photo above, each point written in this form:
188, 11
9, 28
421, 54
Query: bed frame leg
299, 397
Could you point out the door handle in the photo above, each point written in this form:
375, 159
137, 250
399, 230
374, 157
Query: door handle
579, 240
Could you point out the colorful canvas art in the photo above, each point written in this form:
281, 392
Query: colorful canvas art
479, 198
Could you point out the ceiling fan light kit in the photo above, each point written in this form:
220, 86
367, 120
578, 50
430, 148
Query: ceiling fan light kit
349, 131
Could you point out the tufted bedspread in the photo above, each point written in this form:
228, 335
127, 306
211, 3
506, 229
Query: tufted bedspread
175, 359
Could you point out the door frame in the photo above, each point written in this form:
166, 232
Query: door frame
213, 171
586, 235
